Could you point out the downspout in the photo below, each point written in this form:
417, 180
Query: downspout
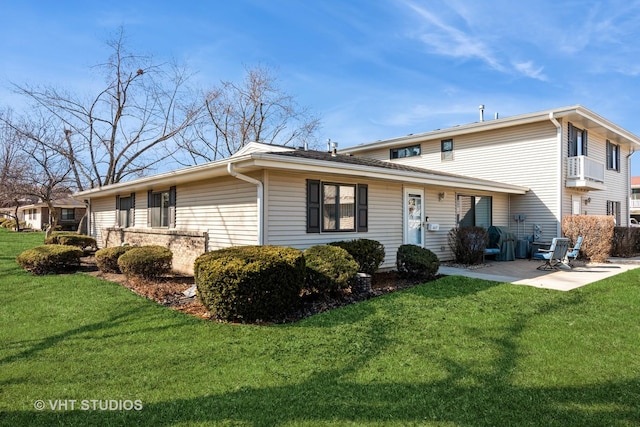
260, 191
559, 156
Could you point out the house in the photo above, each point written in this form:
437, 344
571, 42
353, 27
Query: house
413, 189
572, 160
634, 200
37, 215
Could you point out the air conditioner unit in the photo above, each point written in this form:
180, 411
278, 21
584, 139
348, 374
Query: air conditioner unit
433, 227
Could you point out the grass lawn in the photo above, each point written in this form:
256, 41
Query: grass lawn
454, 352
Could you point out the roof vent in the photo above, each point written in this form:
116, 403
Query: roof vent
481, 108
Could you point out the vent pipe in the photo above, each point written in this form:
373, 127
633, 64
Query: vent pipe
496, 115
481, 108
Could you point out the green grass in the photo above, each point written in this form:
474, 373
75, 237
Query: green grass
455, 352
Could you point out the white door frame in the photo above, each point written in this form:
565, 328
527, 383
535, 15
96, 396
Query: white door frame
413, 222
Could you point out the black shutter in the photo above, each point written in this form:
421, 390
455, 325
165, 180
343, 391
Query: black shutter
609, 155
118, 211
149, 207
618, 158
572, 142
313, 206
132, 211
363, 207
172, 207
584, 142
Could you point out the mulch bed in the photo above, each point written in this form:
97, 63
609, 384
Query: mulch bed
168, 291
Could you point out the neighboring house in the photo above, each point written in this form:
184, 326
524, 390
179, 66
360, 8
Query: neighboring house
539, 166
37, 215
634, 200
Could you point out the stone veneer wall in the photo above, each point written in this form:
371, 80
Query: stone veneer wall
185, 245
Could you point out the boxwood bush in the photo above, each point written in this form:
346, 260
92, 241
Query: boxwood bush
50, 259
70, 238
107, 258
329, 269
369, 254
250, 283
415, 261
146, 261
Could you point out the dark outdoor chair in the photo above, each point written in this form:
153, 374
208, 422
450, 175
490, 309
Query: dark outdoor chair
553, 256
573, 253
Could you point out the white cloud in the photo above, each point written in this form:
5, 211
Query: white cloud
528, 69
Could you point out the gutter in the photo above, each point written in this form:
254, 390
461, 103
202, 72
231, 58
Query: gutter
559, 156
260, 198
628, 218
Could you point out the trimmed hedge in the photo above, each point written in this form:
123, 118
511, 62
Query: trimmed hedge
50, 259
146, 261
107, 258
597, 231
415, 261
468, 244
369, 254
250, 283
11, 224
72, 239
329, 268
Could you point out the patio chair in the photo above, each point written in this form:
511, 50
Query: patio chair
573, 253
553, 256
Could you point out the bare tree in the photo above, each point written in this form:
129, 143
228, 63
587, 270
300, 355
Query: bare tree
13, 169
36, 170
255, 110
126, 127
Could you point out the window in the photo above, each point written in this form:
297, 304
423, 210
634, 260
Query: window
635, 194
613, 156
125, 209
613, 208
67, 214
398, 153
474, 211
336, 207
446, 149
161, 208
577, 141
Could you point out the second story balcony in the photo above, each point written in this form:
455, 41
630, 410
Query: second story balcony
585, 173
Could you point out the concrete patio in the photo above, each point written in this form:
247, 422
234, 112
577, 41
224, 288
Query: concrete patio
525, 272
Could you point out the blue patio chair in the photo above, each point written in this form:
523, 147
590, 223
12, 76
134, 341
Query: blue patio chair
553, 256
573, 253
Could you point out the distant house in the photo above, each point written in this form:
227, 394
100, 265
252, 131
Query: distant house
634, 200
536, 168
38, 216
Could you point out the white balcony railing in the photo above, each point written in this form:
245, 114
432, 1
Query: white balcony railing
583, 168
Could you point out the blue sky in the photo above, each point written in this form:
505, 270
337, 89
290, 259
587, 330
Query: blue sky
370, 69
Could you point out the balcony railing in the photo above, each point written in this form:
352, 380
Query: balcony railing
582, 168
634, 204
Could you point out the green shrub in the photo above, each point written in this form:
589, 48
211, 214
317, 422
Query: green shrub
107, 258
146, 261
71, 238
369, 254
415, 261
50, 259
329, 268
598, 233
468, 244
249, 283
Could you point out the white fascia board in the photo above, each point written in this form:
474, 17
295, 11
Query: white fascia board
189, 174
320, 166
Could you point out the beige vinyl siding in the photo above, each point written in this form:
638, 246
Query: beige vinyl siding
615, 182
287, 213
525, 155
103, 215
226, 208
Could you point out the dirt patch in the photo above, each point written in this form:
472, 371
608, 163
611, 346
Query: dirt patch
169, 292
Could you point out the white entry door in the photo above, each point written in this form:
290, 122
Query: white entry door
414, 216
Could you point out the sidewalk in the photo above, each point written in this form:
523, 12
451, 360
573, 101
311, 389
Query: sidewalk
525, 272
